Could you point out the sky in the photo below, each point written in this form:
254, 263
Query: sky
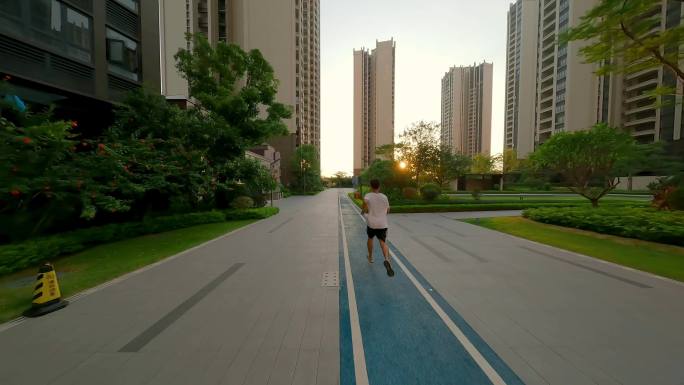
431, 36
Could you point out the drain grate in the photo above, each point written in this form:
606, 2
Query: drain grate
330, 279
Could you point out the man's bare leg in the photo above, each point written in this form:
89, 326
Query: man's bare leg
385, 250
387, 263
370, 250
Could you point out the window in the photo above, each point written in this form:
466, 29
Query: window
130, 4
77, 34
122, 55
50, 23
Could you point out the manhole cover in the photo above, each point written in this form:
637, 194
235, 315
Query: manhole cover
330, 279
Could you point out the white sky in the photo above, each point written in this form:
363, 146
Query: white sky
431, 36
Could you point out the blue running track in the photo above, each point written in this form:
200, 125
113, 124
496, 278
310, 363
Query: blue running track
404, 339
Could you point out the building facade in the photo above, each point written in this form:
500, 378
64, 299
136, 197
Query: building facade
569, 96
567, 88
287, 33
466, 124
79, 55
374, 77
628, 100
521, 73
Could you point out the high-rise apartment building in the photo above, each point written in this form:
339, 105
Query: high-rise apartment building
286, 32
627, 98
373, 101
567, 88
521, 74
569, 94
79, 56
467, 109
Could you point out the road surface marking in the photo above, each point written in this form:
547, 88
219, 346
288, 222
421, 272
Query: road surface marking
488, 370
153, 331
360, 370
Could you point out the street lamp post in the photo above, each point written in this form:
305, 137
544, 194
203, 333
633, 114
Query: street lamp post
272, 176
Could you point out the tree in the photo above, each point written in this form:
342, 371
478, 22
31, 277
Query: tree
342, 179
236, 91
306, 170
50, 179
382, 170
621, 37
483, 164
590, 161
420, 150
509, 164
450, 166
253, 179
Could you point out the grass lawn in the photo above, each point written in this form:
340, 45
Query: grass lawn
656, 258
102, 263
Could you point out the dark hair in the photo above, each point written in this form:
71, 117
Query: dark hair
375, 184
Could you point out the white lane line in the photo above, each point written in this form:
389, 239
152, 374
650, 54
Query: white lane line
482, 362
357, 340
455, 330
78, 296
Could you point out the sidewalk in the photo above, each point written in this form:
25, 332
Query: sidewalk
199, 318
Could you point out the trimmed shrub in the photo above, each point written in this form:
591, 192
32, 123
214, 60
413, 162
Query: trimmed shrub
430, 192
18, 256
675, 200
409, 193
242, 202
647, 224
244, 214
477, 194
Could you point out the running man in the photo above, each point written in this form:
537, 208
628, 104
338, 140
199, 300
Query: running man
376, 206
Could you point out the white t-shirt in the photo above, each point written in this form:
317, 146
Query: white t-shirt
377, 210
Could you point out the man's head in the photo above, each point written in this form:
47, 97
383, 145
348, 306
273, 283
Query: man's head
375, 184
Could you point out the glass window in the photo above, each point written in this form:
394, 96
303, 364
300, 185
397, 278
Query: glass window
77, 34
46, 17
130, 4
122, 55
50, 23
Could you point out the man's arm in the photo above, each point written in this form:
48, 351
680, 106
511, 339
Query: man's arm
364, 209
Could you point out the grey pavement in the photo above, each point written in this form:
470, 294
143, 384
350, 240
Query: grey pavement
196, 321
250, 308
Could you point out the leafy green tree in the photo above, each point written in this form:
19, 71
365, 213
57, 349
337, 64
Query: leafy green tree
590, 161
382, 170
621, 37
483, 164
236, 90
509, 164
306, 170
450, 166
342, 179
419, 148
253, 179
168, 151
48, 178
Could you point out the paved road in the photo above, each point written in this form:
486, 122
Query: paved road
467, 306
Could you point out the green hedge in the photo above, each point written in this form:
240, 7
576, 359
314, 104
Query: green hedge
258, 213
647, 224
17, 256
461, 207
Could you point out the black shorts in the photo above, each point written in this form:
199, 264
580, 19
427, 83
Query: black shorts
380, 233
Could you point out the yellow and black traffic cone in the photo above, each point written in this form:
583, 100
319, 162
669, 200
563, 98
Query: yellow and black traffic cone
46, 296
